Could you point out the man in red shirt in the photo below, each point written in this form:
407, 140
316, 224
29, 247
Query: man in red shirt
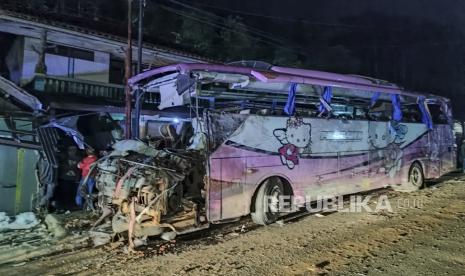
84, 165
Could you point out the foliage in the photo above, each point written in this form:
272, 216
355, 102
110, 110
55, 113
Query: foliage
235, 42
197, 35
285, 56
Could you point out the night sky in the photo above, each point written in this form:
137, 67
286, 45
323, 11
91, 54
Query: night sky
417, 44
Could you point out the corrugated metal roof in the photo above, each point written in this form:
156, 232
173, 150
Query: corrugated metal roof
163, 52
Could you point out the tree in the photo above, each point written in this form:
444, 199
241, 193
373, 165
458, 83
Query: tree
235, 41
198, 35
285, 56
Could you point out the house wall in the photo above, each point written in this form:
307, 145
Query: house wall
18, 183
60, 64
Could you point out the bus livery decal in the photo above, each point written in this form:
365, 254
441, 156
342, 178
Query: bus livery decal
294, 138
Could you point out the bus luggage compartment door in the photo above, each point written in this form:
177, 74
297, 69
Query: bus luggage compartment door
434, 161
226, 188
447, 149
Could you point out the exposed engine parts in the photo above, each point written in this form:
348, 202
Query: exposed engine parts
149, 191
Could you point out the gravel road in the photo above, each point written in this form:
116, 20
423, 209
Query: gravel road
424, 235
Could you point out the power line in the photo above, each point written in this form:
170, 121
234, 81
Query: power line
221, 19
261, 36
266, 37
219, 23
286, 19
213, 24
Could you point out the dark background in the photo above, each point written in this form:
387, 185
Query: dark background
418, 44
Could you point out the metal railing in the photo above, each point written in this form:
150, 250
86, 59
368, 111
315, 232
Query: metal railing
83, 88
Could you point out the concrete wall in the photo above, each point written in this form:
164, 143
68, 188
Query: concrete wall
18, 182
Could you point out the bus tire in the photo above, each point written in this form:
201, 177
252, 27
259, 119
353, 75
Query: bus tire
416, 179
266, 203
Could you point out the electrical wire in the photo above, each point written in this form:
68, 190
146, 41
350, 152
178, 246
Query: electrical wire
216, 25
223, 27
323, 24
240, 26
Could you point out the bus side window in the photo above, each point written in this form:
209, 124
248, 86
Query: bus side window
360, 114
436, 114
308, 111
411, 113
380, 112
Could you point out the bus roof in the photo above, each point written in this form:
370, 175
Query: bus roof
278, 74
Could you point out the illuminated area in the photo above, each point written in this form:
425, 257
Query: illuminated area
176, 137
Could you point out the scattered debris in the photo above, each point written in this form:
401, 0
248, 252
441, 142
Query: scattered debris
168, 236
17, 246
77, 223
138, 242
54, 226
319, 215
100, 238
22, 221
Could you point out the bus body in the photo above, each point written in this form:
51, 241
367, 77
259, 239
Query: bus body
267, 132
342, 157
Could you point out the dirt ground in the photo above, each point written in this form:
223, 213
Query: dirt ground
424, 235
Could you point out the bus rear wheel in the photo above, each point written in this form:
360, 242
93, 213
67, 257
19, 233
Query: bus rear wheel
267, 200
416, 179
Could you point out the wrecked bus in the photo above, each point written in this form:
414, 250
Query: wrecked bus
244, 136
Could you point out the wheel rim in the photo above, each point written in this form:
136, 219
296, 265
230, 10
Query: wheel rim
416, 178
273, 202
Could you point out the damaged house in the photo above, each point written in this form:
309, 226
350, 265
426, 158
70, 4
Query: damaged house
61, 88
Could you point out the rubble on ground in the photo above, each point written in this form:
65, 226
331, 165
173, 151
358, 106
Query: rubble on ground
54, 226
26, 237
22, 221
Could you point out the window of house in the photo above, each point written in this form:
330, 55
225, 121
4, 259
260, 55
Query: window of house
71, 52
70, 62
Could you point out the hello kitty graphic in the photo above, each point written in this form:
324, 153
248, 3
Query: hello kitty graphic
387, 143
294, 138
393, 159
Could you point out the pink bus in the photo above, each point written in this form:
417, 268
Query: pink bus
266, 132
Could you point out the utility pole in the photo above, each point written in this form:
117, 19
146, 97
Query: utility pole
127, 75
139, 38
41, 67
138, 94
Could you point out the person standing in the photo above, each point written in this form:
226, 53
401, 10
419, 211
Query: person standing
84, 165
68, 177
46, 174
